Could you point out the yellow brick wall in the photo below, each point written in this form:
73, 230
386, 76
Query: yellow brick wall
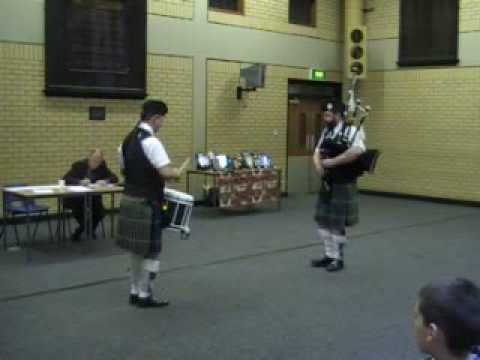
273, 16
256, 123
426, 124
424, 120
469, 15
174, 8
40, 137
383, 22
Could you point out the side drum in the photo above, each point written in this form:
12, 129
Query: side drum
179, 211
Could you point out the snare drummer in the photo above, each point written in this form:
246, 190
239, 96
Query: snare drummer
146, 166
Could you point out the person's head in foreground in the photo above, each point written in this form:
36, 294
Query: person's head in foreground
447, 319
153, 113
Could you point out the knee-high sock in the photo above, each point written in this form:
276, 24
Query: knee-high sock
144, 284
135, 273
338, 242
149, 267
328, 245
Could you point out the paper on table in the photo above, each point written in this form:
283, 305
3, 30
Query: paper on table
78, 189
32, 188
96, 186
42, 191
19, 188
48, 189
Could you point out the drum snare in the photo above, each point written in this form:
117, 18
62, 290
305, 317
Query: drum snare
179, 211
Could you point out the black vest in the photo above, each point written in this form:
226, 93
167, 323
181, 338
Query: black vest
332, 147
141, 177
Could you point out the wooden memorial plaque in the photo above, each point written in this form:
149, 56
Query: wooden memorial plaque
96, 48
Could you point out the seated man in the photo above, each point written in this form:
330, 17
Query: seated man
85, 172
447, 320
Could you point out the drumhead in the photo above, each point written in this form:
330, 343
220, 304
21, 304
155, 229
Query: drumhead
171, 194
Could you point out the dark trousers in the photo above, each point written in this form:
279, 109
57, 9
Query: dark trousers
76, 205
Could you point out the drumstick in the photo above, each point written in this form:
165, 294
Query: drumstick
182, 167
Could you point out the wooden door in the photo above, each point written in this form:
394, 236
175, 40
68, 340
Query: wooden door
304, 129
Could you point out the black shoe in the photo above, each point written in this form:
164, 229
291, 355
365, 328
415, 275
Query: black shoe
77, 235
133, 299
150, 302
321, 263
335, 265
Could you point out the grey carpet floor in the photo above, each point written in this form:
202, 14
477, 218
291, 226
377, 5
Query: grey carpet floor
241, 288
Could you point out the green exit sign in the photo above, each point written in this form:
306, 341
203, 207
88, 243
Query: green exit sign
316, 74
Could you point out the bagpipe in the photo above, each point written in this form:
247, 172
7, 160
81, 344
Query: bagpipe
367, 161
356, 114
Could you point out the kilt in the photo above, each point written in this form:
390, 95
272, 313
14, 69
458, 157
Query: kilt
139, 227
337, 206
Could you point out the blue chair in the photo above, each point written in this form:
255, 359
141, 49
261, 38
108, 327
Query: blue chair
20, 209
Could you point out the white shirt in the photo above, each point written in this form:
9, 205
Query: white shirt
350, 130
153, 149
